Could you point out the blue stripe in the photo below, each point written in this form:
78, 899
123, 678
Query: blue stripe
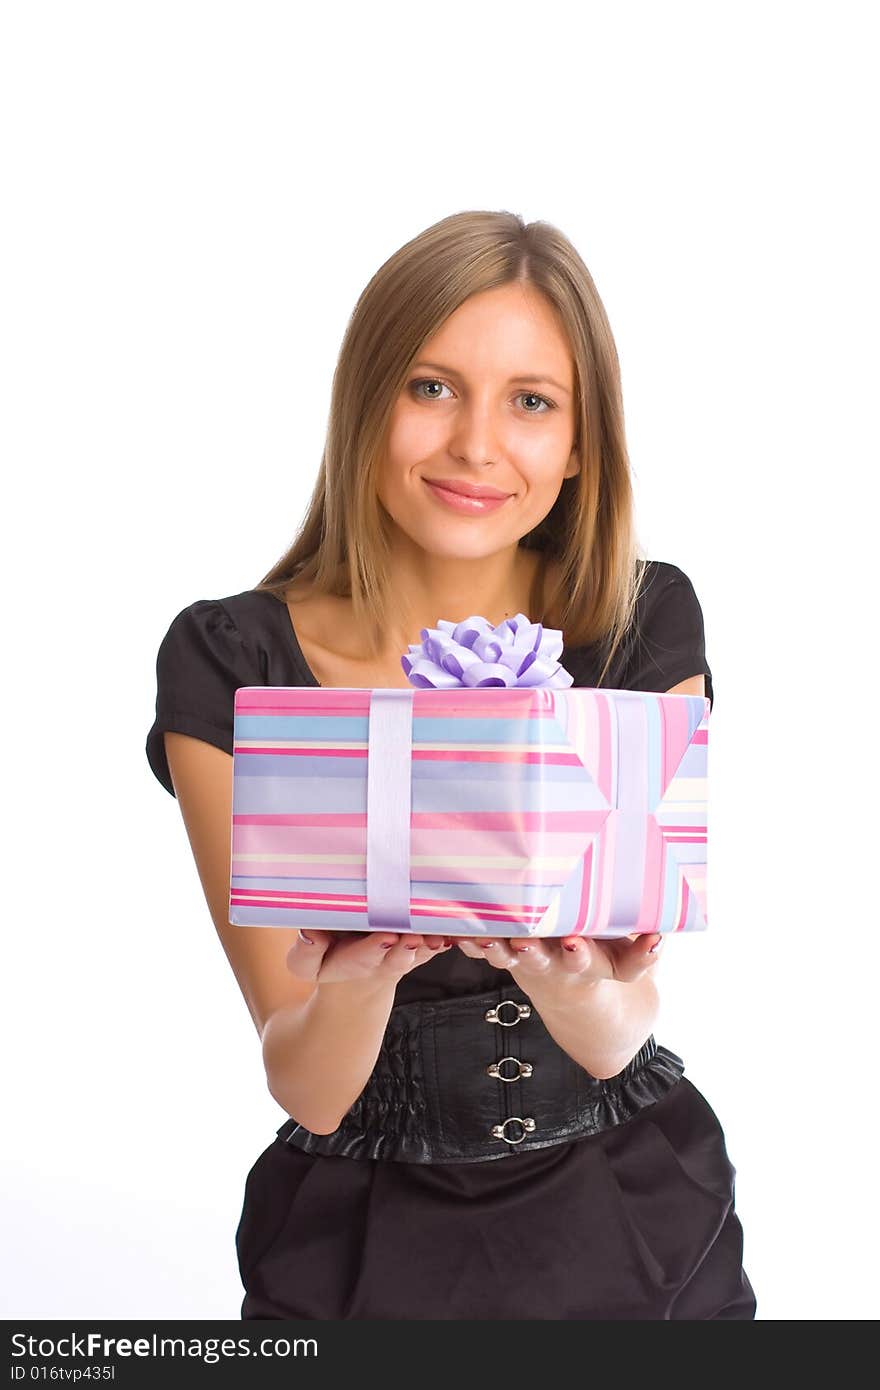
353, 728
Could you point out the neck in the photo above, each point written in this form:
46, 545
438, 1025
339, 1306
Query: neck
428, 587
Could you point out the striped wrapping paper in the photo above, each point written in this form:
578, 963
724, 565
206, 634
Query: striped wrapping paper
532, 811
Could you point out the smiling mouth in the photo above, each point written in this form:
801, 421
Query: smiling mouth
465, 489
464, 504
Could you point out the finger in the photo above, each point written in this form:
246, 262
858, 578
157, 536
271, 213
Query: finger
403, 949
309, 947
633, 958
653, 950
469, 946
530, 957
437, 943
425, 953
497, 951
575, 954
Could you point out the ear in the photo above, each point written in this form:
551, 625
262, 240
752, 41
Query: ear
573, 467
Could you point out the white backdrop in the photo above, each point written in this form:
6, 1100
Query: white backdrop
195, 194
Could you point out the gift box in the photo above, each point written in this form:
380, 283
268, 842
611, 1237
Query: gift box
469, 811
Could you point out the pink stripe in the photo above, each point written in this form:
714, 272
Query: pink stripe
652, 885
586, 870
303, 752
551, 821
308, 818
493, 702
463, 841
486, 914
685, 903
283, 895
604, 774
605, 885
674, 723
289, 897
465, 755
356, 873
459, 754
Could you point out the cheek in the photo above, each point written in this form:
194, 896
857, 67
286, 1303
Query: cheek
544, 452
412, 435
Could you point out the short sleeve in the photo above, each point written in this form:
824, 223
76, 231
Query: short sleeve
202, 661
670, 643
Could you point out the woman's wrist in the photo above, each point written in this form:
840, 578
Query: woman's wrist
601, 1024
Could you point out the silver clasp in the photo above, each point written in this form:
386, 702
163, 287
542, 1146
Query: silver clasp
522, 1011
528, 1128
523, 1069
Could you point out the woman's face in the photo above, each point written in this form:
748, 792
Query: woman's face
489, 403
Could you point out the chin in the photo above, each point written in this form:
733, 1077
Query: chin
461, 548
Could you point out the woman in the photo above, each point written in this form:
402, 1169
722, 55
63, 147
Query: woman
475, 464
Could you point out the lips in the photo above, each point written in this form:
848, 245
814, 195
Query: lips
468, 489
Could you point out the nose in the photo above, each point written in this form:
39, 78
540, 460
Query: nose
476, 435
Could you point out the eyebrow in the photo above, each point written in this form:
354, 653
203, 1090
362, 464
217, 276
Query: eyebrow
526, 376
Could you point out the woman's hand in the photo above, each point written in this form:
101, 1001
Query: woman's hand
331, 956
551, 961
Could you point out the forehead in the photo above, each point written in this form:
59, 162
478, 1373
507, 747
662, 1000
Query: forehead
510, 330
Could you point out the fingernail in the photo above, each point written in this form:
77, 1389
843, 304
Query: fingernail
520, 949
447, 941
655, 947
386, 945
409, 947
571, 946
305, 938
486, 945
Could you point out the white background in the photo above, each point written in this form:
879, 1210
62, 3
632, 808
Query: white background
195, 194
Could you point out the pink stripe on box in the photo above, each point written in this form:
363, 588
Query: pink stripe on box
529, 874
449, 910
651, 887
459, 753
487, 703
283, 895
551, 821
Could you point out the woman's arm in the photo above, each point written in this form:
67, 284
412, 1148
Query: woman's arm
319, 1055
603, 1023
596, 997
320, 1038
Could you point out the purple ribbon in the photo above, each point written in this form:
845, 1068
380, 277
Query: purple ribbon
474, 653
389, 803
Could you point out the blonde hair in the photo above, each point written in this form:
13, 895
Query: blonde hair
342, 545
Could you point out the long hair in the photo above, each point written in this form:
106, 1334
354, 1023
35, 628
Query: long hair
342, 546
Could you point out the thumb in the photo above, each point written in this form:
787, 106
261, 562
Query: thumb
304, 957
633, 956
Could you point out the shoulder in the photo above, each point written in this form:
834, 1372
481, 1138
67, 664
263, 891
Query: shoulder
236, 620
660, 579
666, 606
211, 648
213, 644
667, 643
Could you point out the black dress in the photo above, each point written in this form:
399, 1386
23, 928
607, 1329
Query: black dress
637, 1221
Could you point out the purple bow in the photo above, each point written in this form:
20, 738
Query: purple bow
474, 653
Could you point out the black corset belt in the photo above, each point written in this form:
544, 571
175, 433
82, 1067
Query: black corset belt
480, 1077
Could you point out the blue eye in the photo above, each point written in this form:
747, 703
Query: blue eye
435, 381
534, 396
